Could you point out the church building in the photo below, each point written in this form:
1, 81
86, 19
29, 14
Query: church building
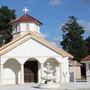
25, 59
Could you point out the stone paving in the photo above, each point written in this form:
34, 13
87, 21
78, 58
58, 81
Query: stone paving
69, 86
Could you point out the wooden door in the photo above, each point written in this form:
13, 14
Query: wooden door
31, 71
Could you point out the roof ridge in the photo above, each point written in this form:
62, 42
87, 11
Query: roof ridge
24, 16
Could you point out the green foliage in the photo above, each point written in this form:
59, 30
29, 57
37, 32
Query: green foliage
6, 15
73, 39
88, 44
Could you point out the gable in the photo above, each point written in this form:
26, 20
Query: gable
30, 48
30, 35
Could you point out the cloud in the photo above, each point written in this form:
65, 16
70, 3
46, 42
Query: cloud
86, 26
56, 40
54, 43
53, 40
44, 35
55, 2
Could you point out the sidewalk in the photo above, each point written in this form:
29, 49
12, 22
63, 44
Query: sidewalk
69, 86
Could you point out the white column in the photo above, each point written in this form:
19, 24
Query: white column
1, 73
61, 76
42, 67
88, 72
22, 73
67, 73
57, 73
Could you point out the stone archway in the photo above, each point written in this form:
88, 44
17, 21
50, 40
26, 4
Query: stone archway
31, 71
11, 71
53, 62
54, 67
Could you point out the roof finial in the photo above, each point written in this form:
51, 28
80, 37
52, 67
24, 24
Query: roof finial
25, 10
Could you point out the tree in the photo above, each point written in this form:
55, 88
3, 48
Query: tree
6, 15
73, 39
88, 44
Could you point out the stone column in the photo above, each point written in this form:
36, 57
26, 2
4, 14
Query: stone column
1, 74
22, 74
42, 67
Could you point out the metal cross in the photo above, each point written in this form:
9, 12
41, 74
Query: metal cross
25, 10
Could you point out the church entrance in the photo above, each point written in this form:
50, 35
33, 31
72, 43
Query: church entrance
31, 71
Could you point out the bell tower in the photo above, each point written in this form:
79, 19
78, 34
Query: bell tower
25, 24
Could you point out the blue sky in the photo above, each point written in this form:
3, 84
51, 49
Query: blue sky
53, 13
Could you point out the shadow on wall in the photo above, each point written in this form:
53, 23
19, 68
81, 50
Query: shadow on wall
11, 71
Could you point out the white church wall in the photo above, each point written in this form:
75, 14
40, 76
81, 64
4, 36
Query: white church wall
31, 48
8, 77
29, 27
23, 27
34, 27
65, 70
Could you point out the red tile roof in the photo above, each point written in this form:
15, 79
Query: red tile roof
86, 58
26, 18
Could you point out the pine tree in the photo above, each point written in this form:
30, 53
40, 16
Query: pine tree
73, 39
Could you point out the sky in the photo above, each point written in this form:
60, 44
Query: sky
53, 14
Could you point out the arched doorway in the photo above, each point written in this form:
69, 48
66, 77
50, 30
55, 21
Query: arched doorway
11, 71
31, 71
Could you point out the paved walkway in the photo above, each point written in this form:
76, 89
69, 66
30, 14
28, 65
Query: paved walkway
69, 86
